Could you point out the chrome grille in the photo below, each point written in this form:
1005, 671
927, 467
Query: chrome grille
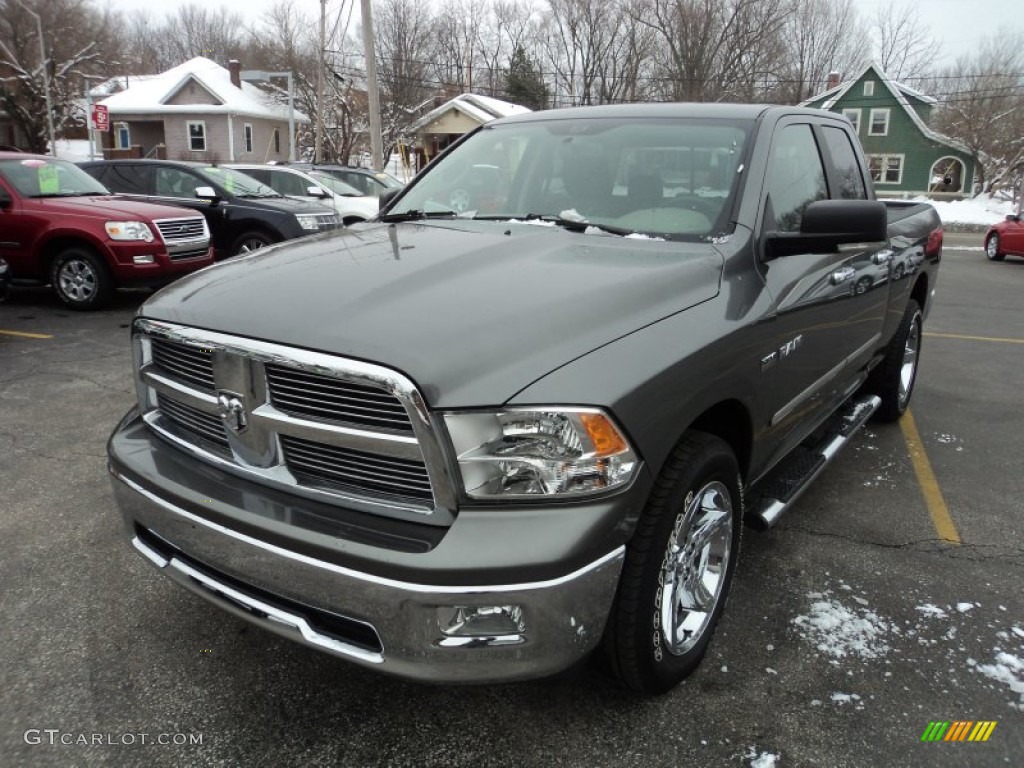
176, 230
328, 221
321, 463
205, 426
336, 430
195, 253
191, 365
326, 397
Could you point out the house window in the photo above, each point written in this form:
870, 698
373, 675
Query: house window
869, 87
277, 140
248, 137
879, 123
197, 136
886, 169
853, 115
124, 137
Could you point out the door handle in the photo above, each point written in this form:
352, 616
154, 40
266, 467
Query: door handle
842, 275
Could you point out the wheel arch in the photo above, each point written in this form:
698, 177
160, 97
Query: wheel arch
58, 243
730, 421
920, 292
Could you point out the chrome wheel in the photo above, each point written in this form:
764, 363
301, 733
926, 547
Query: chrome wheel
992, 248
695, 565
251, 244
908, 371
78, 280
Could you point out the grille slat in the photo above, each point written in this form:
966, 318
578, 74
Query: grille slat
351, 468
192, 366
203, 425
309, 394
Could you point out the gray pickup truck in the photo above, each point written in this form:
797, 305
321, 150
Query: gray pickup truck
525, 414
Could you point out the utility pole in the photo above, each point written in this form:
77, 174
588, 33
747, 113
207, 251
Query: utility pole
372, 91
318, 140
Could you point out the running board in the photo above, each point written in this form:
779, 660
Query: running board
784, 485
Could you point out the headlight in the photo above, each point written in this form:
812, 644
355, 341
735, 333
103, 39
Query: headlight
553, 452
129, 230
308, 222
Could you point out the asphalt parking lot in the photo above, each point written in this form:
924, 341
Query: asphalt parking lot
890, 598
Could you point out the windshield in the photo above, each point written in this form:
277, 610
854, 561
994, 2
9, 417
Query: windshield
236, 182
336, 185
665, 178
49, 177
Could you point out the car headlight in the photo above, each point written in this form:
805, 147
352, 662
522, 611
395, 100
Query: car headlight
129, 230
308, 222
549, 452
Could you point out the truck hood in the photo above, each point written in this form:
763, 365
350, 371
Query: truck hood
471, 311
108, 207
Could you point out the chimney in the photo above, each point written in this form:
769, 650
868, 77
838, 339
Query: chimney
236, 73
833, 80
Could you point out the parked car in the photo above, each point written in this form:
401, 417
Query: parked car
1005, 238
314, 187
478, 448
58, 224
366, 180
242, 213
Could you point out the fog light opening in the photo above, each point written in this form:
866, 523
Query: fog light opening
144, 258
481, 620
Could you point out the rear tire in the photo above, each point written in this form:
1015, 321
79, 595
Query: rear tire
678, 568
80, 279
992, 248
893, 380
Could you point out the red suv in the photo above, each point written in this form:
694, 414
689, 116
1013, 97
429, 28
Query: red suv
58, 224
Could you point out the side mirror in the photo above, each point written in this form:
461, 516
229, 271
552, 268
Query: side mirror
827, 224
5, 199
1011, 217
207, 193
386, 197
315, 191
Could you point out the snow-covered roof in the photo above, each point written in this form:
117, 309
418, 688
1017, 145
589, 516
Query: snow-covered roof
899, 92
483, 109
149, 94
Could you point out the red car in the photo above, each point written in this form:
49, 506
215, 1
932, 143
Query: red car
60, 225
1005, 239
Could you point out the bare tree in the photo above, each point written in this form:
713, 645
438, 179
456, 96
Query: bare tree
820, 37
904, 48
76, 39
982, 106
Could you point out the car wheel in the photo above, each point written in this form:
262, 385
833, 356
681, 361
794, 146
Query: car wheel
678, 568
250, 241
992, 248
81, 279
893, 379
459, 200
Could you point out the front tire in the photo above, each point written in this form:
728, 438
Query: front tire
678, 568
80, 279
992, 248
249, 242
893, 380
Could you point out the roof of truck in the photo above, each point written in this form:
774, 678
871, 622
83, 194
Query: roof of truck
710, 110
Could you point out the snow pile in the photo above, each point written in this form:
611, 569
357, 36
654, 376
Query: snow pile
762, 760
840, 631
978, 210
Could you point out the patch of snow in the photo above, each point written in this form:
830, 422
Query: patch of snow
965, 607
928, 609
839, 631
1008, 669
844, 698
770, 671
982, 209
725, 668
764, 760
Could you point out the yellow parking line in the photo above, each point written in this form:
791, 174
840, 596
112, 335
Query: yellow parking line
941, 519
974, 338
23, 335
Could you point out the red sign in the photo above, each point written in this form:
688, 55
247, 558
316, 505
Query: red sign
100, 117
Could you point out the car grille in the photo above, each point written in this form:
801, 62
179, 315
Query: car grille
178, 230
325, 427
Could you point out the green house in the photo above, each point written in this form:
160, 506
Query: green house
907, 158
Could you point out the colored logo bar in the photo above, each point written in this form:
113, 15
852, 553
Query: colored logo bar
959, 730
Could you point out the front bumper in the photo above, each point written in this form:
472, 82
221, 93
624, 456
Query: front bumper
356, 608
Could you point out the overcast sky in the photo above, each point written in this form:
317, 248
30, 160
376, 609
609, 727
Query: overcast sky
958, 25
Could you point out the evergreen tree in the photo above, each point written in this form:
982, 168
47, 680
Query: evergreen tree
523, 83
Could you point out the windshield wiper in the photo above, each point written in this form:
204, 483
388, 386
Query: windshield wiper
578, 225
417, 214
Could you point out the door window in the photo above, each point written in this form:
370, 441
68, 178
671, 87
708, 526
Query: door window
844, 160
173, 182
289, 184
796, 177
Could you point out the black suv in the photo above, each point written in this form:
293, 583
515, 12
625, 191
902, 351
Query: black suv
243, 214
